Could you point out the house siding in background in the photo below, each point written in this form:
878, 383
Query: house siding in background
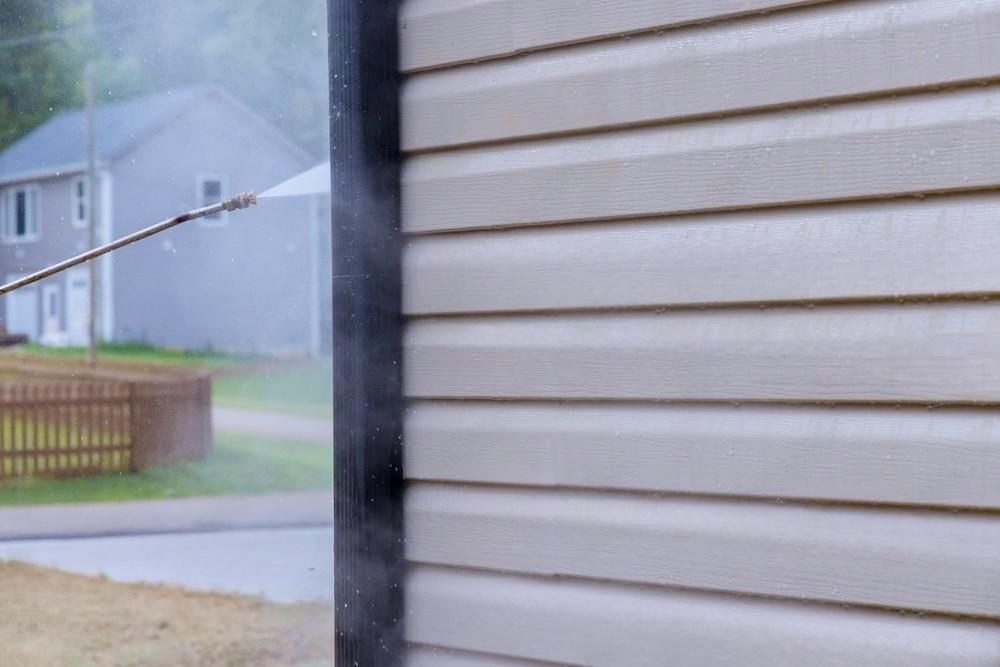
692, 370
27, 311
240, 283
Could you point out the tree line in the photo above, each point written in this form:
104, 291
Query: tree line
271, 54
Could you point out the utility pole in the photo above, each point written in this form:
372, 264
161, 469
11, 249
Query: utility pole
88, 82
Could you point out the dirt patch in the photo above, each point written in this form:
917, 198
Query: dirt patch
51, 618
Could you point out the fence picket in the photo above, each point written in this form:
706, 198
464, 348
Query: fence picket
86, 423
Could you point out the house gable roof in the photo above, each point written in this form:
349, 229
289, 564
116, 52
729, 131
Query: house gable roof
58, 144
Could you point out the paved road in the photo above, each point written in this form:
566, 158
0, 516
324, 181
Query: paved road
276, 510
279, 546
292, 427
283, 565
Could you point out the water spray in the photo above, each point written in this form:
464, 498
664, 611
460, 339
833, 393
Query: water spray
244, 200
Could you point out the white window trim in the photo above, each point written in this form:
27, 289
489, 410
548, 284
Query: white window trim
6, 208
221, 218
75, 203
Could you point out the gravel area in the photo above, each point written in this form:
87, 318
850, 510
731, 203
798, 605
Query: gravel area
52, 618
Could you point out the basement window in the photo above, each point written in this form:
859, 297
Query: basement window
19, 207
210, 188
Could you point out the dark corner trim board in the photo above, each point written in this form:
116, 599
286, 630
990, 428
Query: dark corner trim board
367, 359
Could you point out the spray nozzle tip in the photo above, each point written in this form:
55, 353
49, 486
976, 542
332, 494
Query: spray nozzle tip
244, 200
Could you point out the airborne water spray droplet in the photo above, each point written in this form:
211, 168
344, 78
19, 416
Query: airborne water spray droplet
314, 181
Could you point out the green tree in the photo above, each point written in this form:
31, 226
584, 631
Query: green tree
36, 79
273, 57
271, 54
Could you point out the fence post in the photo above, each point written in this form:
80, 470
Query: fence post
206, 410
133, 427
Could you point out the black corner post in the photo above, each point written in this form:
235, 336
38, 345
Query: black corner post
367, 349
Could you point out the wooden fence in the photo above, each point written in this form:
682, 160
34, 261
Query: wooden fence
67, 422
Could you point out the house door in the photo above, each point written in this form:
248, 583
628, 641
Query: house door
77, 306
51, 307
21, 310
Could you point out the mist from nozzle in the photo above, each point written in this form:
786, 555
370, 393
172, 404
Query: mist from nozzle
315, 181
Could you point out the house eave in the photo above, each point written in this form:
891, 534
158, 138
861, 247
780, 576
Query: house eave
46, 173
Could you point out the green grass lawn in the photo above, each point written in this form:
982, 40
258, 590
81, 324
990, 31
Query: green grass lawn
138, 354
240, 382
238, 464
302, 389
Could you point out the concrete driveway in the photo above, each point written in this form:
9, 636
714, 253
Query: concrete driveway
279, 546
279, 564
292, 427
178, 515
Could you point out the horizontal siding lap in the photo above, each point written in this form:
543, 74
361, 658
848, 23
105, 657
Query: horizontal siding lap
425, 656
846, 49
945, 457
922, 561
592, 514
601, 625
434, 33
920, 353
923, 143
936, 246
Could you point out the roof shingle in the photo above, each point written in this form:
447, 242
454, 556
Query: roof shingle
59, 142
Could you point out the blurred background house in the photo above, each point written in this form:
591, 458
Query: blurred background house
214, 284
166, 142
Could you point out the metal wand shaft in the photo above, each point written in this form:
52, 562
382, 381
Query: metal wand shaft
239, 201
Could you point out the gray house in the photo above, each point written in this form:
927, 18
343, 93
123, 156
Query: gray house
242, 283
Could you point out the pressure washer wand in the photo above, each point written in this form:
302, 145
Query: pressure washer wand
239, 201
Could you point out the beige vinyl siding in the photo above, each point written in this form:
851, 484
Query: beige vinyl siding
702, 351
906, 248
582, 622
932, 353
919, 561
899, 456
422, 656
819, 53
442, 32
880, 148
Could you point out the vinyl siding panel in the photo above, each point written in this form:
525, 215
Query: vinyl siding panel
899, 456
872, 250
881, 148
820, 53
422, 656
435, 33
920, 561
888, 353
702, 352
574, 622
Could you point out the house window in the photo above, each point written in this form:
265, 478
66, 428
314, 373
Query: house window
210, 189
80, 202
19, 208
